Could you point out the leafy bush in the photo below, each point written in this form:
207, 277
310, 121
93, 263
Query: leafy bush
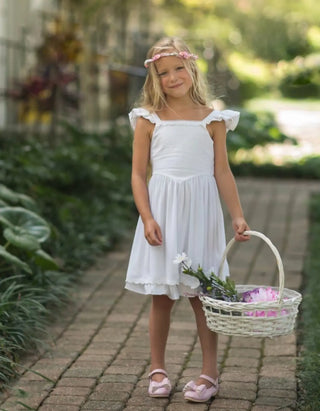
82, 185
255, 129
30, 281
307, 167
309, 364
301, 77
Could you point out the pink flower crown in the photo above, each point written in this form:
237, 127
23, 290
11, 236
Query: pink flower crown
182, 54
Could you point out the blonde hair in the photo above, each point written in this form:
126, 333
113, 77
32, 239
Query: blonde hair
153, 97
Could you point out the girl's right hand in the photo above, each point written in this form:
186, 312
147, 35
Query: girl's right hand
152, 232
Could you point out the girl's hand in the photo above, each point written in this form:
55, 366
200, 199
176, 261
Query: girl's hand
152, 232
240, 225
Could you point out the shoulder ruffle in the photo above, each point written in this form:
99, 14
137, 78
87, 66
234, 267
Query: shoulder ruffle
141, 112
230, 117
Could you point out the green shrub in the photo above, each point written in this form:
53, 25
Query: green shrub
301, 77
254, 129
82, 186
309, 364
305, 168
31, 282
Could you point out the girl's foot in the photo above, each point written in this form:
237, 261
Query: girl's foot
160, 389
201, 393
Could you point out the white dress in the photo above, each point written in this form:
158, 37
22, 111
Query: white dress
185, 203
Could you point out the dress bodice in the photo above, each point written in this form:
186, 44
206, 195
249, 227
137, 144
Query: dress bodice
183, 148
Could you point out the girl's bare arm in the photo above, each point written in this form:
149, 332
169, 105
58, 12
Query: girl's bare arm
140, 161
225, 180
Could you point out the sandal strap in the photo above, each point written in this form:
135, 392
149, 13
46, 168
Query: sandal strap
210, 379
158, 371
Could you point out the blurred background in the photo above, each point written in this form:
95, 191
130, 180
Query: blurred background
83, 59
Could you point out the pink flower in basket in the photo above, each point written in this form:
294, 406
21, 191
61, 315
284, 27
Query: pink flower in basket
261, 294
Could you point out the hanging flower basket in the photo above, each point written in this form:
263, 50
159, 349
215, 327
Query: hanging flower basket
273, 317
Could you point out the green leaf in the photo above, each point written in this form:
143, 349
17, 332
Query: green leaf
27, 202
3, 203
5, 222
31, 222
45, 261
8, 195
13, 260
21, 239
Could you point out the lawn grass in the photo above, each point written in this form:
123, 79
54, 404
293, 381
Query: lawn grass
309, 364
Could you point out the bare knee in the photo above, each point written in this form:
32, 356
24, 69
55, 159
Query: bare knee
196, 304
162, 302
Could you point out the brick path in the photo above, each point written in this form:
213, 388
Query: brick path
99, 355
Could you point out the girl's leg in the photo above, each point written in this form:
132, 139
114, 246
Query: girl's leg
159, 323
208, 342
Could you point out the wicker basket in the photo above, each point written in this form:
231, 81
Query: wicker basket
255, 319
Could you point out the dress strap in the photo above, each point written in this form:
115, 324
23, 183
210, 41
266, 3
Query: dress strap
230, 117
142, 112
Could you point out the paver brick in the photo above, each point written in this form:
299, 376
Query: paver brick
275, 401
236, 393
114, 386
242, 362
266, 408
225, 404
141, 408
76, 382
277, 382
119, 378
70, 391
143, 400
187, 407
124, 370
110, 396
235, 376
57, 407
83, 372
103, 405
278, 393
244, 353
65, 399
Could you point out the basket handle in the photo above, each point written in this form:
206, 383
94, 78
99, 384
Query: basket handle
274, 250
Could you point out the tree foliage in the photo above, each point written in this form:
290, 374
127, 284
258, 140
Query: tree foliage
271, 30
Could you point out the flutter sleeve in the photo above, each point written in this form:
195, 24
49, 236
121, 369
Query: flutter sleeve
230, 117
141, 112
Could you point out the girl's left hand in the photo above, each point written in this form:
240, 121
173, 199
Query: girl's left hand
240, 226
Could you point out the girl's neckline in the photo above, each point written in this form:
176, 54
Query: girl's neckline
185, 120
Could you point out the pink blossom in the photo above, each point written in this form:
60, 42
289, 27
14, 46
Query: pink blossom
261, 294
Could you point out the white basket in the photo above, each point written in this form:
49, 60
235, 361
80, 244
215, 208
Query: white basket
239, 319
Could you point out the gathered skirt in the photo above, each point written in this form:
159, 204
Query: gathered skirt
189, 213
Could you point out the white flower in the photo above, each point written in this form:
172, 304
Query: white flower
183, 258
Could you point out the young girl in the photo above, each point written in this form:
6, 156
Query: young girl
184, 140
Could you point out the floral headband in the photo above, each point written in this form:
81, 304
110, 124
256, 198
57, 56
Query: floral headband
182, 54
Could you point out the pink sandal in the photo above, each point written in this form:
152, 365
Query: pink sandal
160, 389
201, 393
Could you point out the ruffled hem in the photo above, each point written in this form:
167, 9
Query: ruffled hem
174, 292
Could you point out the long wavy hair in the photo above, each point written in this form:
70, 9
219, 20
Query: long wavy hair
152, 96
